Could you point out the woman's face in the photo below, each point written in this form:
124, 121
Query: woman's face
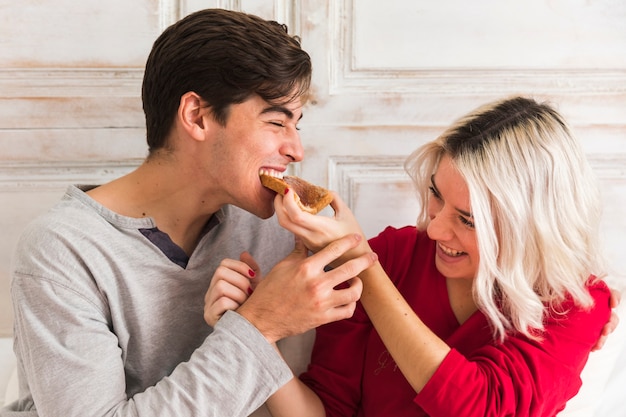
451, 223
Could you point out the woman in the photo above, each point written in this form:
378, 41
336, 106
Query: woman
491, 305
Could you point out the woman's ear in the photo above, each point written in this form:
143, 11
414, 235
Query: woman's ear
192, 115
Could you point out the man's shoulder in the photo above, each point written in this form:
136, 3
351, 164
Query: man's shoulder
68, 213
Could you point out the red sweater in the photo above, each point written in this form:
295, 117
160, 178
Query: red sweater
355, 375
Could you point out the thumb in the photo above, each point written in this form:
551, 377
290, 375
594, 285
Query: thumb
299, 248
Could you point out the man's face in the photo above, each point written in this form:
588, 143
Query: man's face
257, 135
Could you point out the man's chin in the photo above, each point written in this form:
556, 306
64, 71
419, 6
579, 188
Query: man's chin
264, 211
265, 216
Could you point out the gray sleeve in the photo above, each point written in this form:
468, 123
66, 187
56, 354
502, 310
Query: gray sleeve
75, 367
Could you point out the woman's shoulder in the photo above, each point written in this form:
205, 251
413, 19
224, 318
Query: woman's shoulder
571, 313
599, 290
401, 249
400, 237
398, 233
596, 284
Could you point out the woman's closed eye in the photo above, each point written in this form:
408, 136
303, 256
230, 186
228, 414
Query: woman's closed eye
466, 222
434, 192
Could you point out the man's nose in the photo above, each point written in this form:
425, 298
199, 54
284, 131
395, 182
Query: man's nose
292, 148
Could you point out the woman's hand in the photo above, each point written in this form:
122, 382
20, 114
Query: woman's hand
610, 326
230, 287
317, 231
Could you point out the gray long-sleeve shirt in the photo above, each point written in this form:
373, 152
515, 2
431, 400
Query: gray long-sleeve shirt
107, 325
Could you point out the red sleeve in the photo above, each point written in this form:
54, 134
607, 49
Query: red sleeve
337, 363
338, 356
520, 377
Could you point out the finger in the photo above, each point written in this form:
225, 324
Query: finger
214, 311
293, 218
289, 215
611, 325
351, 269
300, 248
236, 273
234, 288
335, 249
254, 271
350, 292
290, 201
615, 298
599, 344
221, 297
346, 299
342, 312
247, 258
337, 203
247, 268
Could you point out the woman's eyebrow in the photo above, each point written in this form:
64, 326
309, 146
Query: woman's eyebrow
465, 213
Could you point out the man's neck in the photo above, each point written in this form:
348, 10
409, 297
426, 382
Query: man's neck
167, 194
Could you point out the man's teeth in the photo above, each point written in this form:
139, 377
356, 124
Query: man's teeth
271, 172
450, 251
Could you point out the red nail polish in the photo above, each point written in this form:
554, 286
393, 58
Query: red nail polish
286, 191
251, 273
250, 290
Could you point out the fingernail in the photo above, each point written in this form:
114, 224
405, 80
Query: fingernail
251, 273
250, 290
374, 256
286, 191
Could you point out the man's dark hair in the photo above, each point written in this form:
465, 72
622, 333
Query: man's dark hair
225, 57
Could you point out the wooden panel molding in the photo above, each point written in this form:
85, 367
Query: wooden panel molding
345, 171
348, 76
380, 192
27, 177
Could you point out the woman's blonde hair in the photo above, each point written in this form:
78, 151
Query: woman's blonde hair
536, 209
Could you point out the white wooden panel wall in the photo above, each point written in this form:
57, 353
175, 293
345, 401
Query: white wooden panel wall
391, 75
388, 76
70, 107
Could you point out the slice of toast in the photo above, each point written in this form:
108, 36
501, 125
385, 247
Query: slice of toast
310, 197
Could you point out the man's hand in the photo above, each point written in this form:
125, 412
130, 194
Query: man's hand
298, 294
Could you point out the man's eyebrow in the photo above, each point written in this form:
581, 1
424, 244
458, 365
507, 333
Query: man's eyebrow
279, 109
463, 212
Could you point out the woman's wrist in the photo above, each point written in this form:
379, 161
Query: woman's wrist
362, 249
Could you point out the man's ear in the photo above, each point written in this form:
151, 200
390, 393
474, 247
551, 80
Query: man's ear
193, 116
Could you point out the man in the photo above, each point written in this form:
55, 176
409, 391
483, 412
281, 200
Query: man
109, 286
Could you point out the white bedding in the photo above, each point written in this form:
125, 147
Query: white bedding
603, 393
612, 401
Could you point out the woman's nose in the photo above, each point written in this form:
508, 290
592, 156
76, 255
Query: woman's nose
439, 227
